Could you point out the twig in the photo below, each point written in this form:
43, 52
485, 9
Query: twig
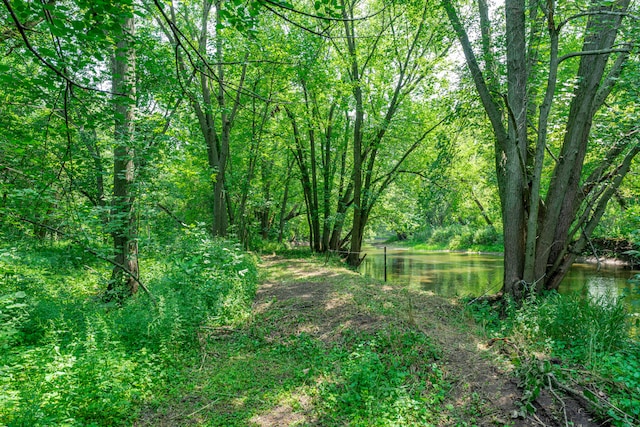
593, 248
175, 417
172, 215
485, 293
564, 406
538, 420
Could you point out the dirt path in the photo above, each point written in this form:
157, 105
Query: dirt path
323, 302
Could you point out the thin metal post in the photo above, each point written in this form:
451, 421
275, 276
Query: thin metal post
385, 263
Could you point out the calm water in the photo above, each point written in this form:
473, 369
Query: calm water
461, 274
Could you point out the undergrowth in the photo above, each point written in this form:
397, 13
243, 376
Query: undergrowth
68, 359
390, 377
456, 237
572, 344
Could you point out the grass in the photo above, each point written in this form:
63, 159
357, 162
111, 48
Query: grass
319, 345
201, 356
290, 365
366, 380
69, 359
575, 344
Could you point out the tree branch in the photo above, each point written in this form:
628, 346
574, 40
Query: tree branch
25, 38
593, 52
91, 251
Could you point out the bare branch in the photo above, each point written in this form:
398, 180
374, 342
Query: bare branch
593, 52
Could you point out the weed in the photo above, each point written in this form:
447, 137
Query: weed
67, 359
388, 378
589, 334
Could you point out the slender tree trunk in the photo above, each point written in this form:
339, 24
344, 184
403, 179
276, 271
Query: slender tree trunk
353, 258
123, 219
327, 176
344, 194
285, 199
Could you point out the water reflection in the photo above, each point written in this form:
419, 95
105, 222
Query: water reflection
462, 274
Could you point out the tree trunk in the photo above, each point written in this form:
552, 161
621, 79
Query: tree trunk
540, 242
123, 278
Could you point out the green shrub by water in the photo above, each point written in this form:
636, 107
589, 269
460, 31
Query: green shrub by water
458, 237
68, 359
589, 334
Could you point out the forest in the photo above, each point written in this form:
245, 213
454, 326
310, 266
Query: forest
188, 189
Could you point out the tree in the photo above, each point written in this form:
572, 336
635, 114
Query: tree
203, 76
550, 204
385, 65
124, 278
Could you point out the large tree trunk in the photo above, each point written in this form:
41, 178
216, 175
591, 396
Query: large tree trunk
540, 236
125, 273
515, 150
562, 198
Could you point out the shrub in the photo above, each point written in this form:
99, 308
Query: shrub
68, 359
486, 236
464, 240
445, 234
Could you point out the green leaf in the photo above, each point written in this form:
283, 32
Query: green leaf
589, 395
77, 25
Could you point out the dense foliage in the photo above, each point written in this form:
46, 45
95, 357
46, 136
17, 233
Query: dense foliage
567, 343
146, 146
69, 359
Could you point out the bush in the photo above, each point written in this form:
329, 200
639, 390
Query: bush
68, 359
445, 234
459, 237
486, 236
464, 240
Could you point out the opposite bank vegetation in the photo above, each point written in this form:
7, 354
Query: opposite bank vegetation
205, 353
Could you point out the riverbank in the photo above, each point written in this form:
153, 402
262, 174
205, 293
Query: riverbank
486, 240
304, 342
327, 346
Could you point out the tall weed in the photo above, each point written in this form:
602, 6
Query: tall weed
68, 359
578, 326
589, 334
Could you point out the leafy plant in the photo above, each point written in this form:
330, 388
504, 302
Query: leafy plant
589, 334
68, 359
389, 378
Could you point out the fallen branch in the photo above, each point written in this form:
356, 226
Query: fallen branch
172, 215
600, 405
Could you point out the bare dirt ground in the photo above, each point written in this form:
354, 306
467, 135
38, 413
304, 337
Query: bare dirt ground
321, 303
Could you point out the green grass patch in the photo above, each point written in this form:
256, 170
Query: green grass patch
588, 334
68, 359
386, 378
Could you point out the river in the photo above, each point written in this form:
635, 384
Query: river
452, 274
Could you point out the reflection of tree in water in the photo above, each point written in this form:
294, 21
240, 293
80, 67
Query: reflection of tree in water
450, 274
397, 265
